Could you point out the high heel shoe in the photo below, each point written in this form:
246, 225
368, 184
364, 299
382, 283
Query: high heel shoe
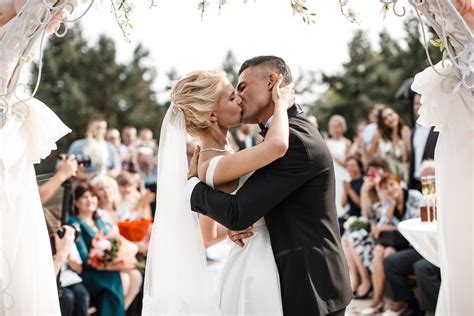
363, 296
372, 310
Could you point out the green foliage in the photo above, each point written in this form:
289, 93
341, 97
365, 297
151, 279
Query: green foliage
373, 76
231, 67
80, 81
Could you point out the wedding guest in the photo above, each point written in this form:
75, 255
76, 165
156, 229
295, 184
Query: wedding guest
339, 147
65, 169
147, 166
145, 139
113, 136
351, 192
357, 146
104, 158
74, 298
428, 278
371, 128
423, 142
244, 137
128, 148
402, 204
133, 204
104, 286
106, 189
391, 142
357, 242
402, 264
107, 193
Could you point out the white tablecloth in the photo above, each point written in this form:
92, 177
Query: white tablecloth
423, 237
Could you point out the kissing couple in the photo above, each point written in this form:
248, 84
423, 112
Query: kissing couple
279, 194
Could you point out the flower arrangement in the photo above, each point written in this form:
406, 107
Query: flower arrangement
355, 223
107, 251
135, 230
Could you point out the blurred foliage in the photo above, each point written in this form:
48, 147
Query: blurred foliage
373, 76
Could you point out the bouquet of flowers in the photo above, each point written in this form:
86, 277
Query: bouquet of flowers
134, 230
355, 223
107, 251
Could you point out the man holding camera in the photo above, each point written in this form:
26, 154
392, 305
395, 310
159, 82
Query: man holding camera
73, 296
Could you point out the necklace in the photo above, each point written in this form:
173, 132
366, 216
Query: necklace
218, 150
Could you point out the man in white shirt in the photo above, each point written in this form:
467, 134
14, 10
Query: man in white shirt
423, 143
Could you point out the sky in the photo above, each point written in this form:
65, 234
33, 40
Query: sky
177, 37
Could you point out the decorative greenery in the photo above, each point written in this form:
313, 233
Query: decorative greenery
122, 10
299, 7
438, 43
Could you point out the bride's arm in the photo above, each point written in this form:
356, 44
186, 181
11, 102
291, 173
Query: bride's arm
275, 145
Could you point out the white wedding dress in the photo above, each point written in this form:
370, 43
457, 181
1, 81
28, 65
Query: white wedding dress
338, 150
28, 132
249, 283
447, 97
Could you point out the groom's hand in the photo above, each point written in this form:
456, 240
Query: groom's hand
238, 236
193, 164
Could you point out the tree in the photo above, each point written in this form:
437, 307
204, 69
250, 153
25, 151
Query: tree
373, 75
80, 82
231, 68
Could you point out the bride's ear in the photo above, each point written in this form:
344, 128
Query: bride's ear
272, 80
213, 117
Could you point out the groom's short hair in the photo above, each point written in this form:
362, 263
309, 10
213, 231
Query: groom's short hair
271, 62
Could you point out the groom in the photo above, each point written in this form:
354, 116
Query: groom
295, 194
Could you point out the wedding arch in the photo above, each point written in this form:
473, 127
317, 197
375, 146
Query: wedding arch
447, 90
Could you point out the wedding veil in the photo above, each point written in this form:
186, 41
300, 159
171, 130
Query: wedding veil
176, 277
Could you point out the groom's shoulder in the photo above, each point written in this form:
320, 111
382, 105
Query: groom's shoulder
303, 133
304, 130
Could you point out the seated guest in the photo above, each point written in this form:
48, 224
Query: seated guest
351, 192
357, 242
107, 193
104, 285
402, 204
73, 296
428, 278
399, 266
133, 204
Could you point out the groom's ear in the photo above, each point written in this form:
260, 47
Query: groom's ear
272, 80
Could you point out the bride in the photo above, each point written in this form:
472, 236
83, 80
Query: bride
204, 105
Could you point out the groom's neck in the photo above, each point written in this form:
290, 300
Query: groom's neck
266, 113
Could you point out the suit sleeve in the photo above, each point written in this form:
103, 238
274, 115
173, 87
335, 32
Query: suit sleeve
263, 191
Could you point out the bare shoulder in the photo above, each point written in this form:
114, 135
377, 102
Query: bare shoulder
203, 164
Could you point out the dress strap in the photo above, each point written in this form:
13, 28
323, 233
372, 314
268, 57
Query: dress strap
210, 170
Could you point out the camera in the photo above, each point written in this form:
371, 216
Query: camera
81, 159
77, 231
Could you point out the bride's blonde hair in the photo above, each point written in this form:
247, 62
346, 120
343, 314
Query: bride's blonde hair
197, 95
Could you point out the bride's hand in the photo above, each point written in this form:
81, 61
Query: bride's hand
193, 164
283, 96
238, 236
